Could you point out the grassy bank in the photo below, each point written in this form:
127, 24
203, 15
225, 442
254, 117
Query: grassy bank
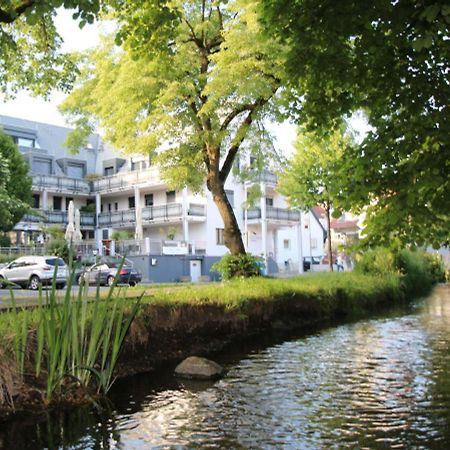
176, 322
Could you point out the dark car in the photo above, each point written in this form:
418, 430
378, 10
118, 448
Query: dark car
104, 273
307, 260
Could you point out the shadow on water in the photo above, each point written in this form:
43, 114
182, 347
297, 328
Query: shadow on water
345, 383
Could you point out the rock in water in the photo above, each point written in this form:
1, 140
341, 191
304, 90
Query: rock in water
198, 368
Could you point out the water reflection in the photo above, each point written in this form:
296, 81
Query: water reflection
379, 383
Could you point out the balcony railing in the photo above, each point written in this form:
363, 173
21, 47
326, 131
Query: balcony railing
159, 212
57, 183
196, 209
128, 179
57, 217
117, 218
274, 214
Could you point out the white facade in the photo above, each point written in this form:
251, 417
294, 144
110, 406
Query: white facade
127, 193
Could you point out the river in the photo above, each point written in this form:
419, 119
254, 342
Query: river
377, 383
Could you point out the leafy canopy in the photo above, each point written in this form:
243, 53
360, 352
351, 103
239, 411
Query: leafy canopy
391, 59
30, 45
15, 184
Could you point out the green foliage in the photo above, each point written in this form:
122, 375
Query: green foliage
5, 241
7, 258
30, 45
389, 60
15, 184
194, 78
121, 235
419, 270
90, 208
74, 338
238, 266
58, 247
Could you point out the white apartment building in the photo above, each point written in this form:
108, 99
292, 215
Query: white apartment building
172, 235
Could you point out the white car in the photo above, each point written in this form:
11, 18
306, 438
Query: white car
30, 271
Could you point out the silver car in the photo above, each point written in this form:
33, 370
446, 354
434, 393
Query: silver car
30, 271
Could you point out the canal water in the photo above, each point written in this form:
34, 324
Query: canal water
377, 383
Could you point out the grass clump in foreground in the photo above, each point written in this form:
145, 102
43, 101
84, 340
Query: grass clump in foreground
69, 346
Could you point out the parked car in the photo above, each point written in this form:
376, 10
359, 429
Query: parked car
104, 273
30, 271
307, 260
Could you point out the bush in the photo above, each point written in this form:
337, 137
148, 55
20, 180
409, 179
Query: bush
58, 247
419, 270
238, 266
5, 241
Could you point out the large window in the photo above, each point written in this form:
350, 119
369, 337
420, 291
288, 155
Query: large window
75, 170
269, 201
57, 202
131, 203
220, 236
170, 196
36, 201
230, 197
42, 166
148, 199
68, 200
107, 171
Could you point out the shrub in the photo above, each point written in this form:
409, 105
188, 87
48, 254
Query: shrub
58, 247
379, 261
5, 241
238, 266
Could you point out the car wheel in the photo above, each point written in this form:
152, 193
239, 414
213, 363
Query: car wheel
110, 280
61, 286
132, 283
1, 283
34, 283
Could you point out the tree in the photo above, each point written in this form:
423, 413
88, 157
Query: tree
30, 45
189, 83
313, 176
15, 184
391, 59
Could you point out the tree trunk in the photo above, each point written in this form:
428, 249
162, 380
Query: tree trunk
232, 233
330, 252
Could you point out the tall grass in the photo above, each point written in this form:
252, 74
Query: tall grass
77, 337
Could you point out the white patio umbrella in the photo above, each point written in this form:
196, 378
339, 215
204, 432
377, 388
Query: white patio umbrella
77, 237
139, 232
70, 229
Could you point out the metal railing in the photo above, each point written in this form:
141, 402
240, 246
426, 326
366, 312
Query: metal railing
117, 218
128, 179
274, 214
170, 210
60, 183
56, 217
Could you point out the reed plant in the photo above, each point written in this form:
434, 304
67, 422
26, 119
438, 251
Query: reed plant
77, 337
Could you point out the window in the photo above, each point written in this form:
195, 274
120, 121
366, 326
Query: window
42, 166
68, 200
57, 202
109, 207
269, 201
108, 171
170, 196
105, 234
116, 206
36, 201
101, 207
131, 202
75, 170
219, 236
24, 142
230, 197
286, 244
148, 199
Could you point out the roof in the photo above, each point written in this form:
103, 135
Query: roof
344, 224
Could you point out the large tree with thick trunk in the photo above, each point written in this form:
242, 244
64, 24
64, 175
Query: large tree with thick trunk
190, 82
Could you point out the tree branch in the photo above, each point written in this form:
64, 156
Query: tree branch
9, 17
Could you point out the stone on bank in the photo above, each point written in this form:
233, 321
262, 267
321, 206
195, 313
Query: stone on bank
198, 368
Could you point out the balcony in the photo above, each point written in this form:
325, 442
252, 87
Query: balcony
162, 212
60, 184
57, 217
126, 180
280, 214
117, 218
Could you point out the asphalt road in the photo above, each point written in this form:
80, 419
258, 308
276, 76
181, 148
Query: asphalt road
27, 297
